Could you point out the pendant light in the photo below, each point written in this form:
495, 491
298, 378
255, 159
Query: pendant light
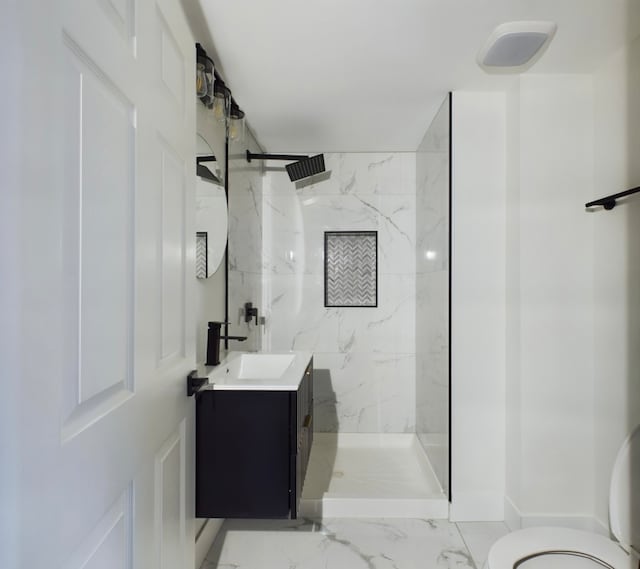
236, 123
221, 99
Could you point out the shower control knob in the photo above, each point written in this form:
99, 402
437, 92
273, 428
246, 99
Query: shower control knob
250, 312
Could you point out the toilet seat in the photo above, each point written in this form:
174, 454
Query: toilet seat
624, 502
515, 547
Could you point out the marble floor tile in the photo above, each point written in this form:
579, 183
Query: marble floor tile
480, 536
339, 544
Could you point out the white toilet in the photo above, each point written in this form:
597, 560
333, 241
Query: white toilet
562, 548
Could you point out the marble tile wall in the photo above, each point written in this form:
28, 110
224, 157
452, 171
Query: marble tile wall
245, 243
432, 293
364, 357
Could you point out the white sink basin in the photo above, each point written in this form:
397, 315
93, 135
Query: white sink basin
259, 371
263, 366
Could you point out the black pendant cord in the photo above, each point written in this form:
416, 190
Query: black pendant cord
226, 253
609, 202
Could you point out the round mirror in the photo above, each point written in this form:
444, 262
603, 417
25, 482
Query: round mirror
211, 213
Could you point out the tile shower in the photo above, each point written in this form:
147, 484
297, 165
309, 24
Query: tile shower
365, 357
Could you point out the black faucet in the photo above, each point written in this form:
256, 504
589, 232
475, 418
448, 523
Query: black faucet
213, 342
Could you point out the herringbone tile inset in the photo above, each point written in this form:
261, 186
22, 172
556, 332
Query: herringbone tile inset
351, 268
201, 255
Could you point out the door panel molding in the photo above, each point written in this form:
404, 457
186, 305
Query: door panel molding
121, 14
172, 256
170, 506
109, 544
172, 65
98, 242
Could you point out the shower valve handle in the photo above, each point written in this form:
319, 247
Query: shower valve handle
250, 312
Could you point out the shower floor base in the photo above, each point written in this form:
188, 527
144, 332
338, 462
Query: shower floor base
371, 476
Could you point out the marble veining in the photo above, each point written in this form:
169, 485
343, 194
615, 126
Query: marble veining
339, 543
382, 217
348, 186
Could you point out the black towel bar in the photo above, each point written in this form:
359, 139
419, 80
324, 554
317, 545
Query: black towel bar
609, 202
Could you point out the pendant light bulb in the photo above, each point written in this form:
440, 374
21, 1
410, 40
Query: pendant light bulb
236, 123
221, 95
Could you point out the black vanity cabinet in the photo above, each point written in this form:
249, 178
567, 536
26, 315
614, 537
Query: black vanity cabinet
252, 450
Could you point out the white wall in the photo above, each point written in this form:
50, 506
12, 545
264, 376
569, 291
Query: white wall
513, 446
556, 294
15, 218
571, 294
522, 316
550, 301
616, 264
478, 306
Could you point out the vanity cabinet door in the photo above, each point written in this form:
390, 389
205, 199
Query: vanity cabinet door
243, 454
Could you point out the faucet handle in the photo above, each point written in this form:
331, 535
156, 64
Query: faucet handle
250, 312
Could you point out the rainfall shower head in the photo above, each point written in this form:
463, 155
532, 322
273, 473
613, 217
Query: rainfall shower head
303, 167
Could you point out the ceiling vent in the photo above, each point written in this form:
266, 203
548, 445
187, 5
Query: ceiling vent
515, 46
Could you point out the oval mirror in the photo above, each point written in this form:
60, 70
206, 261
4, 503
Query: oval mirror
211, 213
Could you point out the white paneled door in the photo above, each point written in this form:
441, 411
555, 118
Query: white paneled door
97, 263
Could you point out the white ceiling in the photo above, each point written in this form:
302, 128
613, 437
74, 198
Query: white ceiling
368, 75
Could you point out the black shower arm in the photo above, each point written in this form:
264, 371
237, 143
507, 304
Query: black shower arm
251, 156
